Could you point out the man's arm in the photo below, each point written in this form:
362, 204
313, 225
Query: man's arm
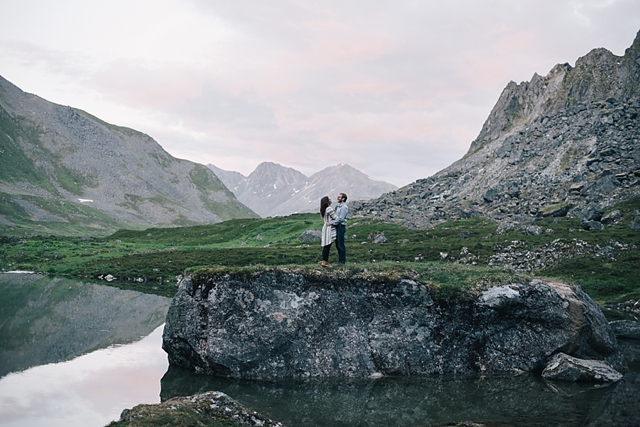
341, 213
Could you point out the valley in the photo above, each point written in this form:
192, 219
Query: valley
454, 254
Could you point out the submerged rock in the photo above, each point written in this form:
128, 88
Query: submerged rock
281, 323
566, 368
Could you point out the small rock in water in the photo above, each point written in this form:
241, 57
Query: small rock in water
626, 329
567, 368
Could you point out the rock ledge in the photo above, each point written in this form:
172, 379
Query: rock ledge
278, 323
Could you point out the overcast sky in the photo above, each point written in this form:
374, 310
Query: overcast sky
397, 89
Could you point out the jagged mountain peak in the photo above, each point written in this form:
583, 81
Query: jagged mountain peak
597, 76
272, 189
278, 174
557, 144
343, 178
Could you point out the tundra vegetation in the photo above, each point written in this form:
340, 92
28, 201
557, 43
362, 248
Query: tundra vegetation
452, 257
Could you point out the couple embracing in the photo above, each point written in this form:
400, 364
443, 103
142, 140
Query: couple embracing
334, 227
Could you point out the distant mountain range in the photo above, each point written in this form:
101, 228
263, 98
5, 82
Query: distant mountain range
65, 171
275, 190
567, 143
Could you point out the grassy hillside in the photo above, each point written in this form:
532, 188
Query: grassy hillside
66, 172
149, 260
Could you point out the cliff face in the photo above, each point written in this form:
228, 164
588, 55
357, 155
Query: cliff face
62, 166
555, 145
285, 324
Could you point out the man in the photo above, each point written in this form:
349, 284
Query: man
340, 223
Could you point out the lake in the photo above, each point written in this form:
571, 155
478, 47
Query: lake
77, 354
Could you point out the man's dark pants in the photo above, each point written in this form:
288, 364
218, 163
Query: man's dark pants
342, 250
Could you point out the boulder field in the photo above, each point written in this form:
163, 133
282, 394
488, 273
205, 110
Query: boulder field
285, 323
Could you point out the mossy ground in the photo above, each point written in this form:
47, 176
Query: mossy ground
444, 280
160, 416
154, 257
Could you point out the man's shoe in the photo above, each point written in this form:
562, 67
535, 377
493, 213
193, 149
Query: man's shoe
325, 264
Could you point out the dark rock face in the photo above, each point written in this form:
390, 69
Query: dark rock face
565, 143
283, 324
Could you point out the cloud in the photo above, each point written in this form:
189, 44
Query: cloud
154, 86
398, 89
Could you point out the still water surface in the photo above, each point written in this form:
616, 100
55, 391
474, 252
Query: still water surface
102, 372
90, 390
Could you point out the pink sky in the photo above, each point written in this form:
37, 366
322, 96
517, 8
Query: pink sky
396, 89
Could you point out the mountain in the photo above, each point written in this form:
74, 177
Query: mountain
66, 171
341, 178
275, 190
567, 143
231, 179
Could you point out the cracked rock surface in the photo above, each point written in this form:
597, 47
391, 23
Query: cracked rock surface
277, 324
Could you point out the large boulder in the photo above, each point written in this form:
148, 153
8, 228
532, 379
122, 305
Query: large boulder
283, 323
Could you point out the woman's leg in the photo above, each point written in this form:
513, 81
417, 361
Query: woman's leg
325, 252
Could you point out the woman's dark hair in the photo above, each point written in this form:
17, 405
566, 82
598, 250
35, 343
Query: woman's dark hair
324, 204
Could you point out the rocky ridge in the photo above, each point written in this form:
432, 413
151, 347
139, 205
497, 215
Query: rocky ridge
567, 143
63, 165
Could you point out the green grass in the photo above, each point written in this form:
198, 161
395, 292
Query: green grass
155, 256
444, 280
73, 218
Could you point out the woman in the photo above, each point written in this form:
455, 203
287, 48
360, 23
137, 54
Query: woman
328, 231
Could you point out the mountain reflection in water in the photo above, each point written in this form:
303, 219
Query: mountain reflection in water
88, 391
58, 324
46, 319
524, 400
64, 353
